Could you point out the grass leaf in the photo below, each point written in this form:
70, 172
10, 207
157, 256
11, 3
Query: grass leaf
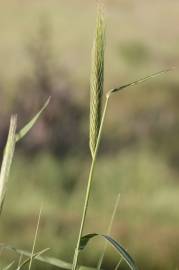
30, 124
7, 160
139, 81
49, 260
35, 255
46, 259
124, 254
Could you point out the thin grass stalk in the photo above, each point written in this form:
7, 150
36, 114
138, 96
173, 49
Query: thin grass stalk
118, 264
88, 190
35, 256
20, 260
109, 231
35, 238
7, 267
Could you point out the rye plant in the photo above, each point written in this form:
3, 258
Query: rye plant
99, 101
97, 118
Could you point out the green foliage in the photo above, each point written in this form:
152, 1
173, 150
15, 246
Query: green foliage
9, 150
29, 260
97, 118
138, 81
45, 259
29, 125
7, 160
85, 239
147, 200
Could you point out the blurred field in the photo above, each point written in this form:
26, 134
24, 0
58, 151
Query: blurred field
45, 50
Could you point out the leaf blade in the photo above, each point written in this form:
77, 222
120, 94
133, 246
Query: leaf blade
7, 159
45, 259
124, 254
153, 75
31, 123
35, 255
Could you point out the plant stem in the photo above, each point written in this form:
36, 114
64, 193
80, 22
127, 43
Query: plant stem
35, 238
118, 264
109, 231
88, 189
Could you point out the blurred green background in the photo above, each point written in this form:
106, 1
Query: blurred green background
45, 50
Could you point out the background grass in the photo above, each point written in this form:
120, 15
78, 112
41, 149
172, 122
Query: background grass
140, 146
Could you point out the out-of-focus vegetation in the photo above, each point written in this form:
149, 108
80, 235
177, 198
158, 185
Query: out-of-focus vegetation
45, 50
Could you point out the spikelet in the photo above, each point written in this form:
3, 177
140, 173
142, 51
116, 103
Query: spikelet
97, 79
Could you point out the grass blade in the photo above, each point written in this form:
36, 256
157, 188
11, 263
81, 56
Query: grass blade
139, 81
9, 150
30, 124
20, 259
9, 266
35, 255
97, 79
7, 160
49, 260
124, 254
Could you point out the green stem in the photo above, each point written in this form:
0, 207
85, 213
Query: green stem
118, 264
88, 189
109, 231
